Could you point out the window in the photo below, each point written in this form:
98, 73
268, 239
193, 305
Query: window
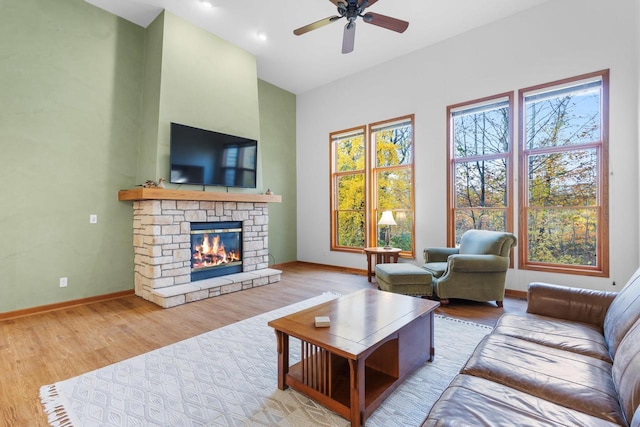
369, 176
348, 202
392, 181
480, 170
563, 169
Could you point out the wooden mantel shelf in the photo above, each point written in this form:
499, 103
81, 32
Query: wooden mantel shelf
206, 196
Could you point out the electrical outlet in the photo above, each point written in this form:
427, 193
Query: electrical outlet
93, 219
63, 282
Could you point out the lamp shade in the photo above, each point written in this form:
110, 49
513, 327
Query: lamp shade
387, 219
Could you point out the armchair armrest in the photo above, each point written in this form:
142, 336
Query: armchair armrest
472, 263
569, 303
438, 254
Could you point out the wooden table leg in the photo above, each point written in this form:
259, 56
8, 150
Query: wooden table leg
283, 358
369, 271
357, 389
432, 351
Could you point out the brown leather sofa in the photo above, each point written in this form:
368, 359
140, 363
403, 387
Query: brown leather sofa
573, 359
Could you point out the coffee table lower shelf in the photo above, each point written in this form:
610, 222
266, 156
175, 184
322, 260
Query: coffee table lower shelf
336, 396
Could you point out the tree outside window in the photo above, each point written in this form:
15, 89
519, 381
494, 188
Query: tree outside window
479, 154
563, 168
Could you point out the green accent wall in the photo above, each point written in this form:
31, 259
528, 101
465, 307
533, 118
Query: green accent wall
204, 82
278, 151
148, 153
85, 105
71, 87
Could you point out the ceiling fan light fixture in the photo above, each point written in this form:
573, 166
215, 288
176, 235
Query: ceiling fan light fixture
207, 3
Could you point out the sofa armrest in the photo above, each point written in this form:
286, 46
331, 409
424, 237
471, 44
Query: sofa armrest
569, 303
438, 254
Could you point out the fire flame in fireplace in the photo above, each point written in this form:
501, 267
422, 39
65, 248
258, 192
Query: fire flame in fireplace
212, 253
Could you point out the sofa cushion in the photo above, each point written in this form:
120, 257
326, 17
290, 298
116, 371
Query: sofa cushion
436, 269
404, 278
583, 338
626, 371
487, 242
403, 273
622, 313
569, 303
474, 401
565, 378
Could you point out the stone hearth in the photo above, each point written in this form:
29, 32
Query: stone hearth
161, 239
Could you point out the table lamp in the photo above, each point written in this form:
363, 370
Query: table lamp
387, 219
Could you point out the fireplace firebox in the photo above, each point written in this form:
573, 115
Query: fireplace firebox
216, 249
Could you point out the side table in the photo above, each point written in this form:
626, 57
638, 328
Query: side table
382, 255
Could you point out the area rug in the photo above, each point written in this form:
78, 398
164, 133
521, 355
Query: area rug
228, 377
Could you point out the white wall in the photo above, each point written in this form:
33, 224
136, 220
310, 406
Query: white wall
559, 39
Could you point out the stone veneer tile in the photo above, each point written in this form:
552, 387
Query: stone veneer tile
197, 296
213, 282
261, 281
170, 301
172, 291
240, 277
266, 272
233, 287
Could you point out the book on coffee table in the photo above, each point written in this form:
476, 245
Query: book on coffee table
323, 322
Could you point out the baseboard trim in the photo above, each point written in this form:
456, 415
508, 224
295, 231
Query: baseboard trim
62, 305
283, 265
516, 294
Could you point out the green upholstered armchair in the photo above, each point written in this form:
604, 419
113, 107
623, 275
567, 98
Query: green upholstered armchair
475, 271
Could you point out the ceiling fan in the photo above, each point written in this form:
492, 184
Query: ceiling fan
351, 9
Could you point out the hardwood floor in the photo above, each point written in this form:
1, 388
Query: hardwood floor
44, 348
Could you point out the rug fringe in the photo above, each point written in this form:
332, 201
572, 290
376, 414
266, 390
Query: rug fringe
332, 293
466, 322
56, 413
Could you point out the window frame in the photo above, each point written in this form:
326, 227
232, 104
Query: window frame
373, 173
601, 269
453, 161
370, 206
333, 186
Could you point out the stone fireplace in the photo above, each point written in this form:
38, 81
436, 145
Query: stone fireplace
164, 244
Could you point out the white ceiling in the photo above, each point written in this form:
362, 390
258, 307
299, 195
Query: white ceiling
301, 63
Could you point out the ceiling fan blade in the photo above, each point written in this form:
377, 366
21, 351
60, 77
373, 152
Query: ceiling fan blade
316, 25
387, 22
369, 3
349, 37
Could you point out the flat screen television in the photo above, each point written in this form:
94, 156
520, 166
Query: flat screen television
204, 157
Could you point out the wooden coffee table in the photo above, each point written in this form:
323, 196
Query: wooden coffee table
375, 340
